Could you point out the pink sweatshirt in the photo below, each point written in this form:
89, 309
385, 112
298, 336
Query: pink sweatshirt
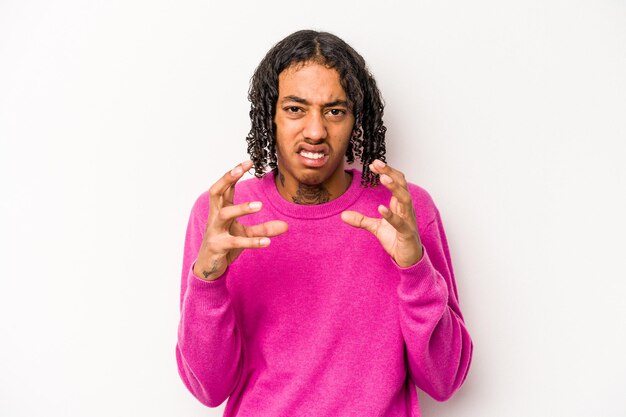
322, 322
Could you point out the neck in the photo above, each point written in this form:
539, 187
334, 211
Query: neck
297, 192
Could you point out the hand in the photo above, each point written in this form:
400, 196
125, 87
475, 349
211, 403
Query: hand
225, 238
397, 229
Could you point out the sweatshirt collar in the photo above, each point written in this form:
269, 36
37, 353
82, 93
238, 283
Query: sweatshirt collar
314, 211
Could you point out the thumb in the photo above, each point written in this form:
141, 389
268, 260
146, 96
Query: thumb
356, 219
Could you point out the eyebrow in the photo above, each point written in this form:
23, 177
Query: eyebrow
306, 102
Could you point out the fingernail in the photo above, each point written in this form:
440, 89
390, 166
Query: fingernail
236, 171
382, 209
255, 205
378, 163
385, 179
264, 241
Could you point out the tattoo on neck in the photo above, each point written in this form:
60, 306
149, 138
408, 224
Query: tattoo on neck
311, 194
281, 177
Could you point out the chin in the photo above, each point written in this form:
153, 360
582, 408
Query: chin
312, 178
312, 175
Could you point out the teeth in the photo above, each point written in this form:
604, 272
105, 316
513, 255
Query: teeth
311, 155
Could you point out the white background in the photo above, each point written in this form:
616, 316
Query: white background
115, 115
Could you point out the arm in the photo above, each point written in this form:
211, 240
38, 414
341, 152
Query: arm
208, 351
209, 345
439, 348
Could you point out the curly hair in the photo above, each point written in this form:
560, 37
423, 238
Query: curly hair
367, 141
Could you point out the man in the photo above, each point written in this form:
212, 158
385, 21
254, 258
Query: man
354, 302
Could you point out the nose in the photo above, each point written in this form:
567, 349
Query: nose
315, 127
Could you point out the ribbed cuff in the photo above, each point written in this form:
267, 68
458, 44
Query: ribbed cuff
422, 280
208, 293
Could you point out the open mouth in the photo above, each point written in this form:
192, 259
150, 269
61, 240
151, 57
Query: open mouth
312, 155
312, 159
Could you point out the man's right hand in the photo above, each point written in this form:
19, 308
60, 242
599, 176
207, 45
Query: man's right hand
225, 238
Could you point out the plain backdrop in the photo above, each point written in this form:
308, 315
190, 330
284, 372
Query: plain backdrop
116, 115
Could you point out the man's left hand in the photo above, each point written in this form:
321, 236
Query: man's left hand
397, 229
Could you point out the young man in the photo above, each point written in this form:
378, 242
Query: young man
354, 302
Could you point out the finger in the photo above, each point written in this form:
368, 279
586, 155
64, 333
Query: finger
270, 229
229, 194
394, 180
356, 219
398, 190
395, 220
226, 214
240, 242
379, 167
228, 180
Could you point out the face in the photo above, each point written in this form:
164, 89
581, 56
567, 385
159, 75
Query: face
313, 124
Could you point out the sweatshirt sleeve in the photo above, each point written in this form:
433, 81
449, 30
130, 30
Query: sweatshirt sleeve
208, 351
439, 347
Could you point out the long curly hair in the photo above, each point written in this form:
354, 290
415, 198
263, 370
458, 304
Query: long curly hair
367, 141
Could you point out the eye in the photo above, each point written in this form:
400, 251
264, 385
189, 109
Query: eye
293, 109
336, 113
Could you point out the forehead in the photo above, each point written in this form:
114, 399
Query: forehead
311, 81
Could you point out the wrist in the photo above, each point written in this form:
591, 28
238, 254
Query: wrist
207, 271
407, 262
